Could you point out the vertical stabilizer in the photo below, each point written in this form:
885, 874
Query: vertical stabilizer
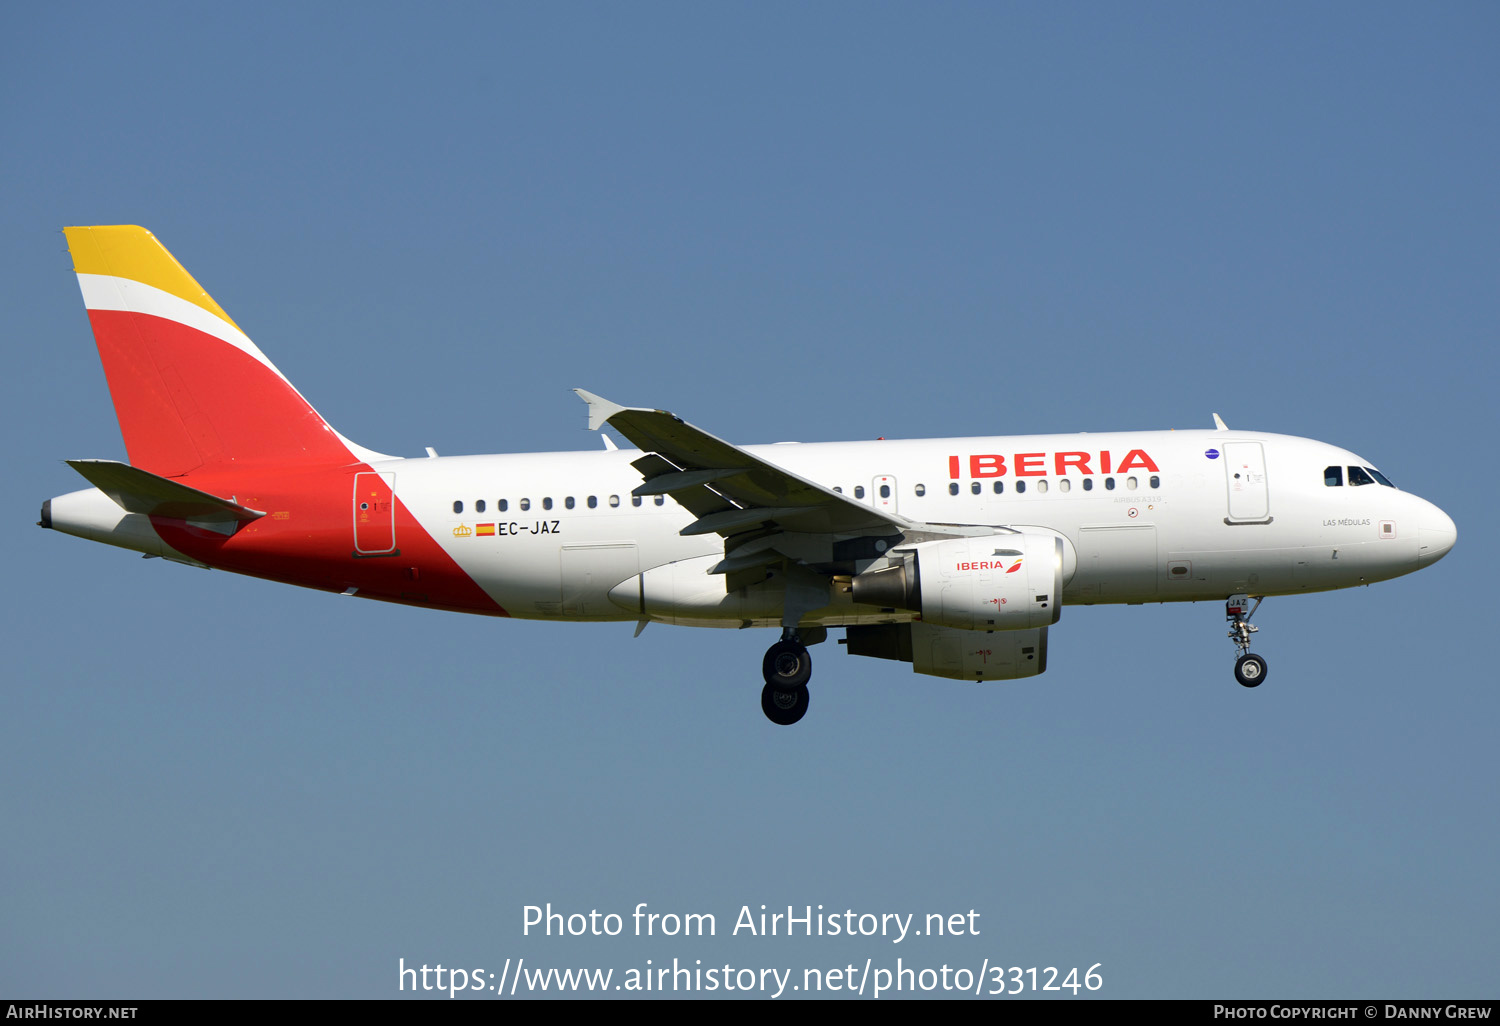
190, 389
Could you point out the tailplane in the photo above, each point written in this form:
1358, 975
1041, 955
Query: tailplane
190, 389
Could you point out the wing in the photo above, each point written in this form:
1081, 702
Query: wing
765, 513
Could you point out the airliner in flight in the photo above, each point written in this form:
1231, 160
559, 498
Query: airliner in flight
955, 555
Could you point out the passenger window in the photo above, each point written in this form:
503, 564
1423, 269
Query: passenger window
999, 487
1065, 485
885, 491
593, 501
525, 504
635, 500
479, 506
839, 489
1041, 486
614, 500
1357, 476
921, 490
1155, 481
458, 507
974, 487
953, 488
1333, 477
660, 499
1020, 486
1130, 483
503, 505
568, 502
1109, 484
547, 502
859, 491
1088, 484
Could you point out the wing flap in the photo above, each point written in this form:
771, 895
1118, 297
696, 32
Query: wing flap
690, 494
676, 480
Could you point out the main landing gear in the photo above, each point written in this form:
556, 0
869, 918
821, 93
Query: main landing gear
1249, 669
787, 669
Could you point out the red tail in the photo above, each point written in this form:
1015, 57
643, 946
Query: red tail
190, 389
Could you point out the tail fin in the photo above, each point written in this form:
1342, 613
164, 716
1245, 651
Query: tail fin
189, 388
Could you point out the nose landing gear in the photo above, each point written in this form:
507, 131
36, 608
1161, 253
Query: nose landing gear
787, 668
1249, 669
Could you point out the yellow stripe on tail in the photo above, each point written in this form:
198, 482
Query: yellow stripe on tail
129, 251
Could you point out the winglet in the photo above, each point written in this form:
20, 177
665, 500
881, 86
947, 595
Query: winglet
1219, 424
600, 409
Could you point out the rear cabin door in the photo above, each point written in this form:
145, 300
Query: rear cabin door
375, 514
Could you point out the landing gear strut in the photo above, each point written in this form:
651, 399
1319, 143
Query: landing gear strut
787, 668
1249, 669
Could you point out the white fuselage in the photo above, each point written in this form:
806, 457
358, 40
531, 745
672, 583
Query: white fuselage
558, 532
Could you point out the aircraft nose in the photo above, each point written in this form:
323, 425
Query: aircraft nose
1436, 534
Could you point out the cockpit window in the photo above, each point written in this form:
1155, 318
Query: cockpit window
1377, 475
1357, 476
1333, 477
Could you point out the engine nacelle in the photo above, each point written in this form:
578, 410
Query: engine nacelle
1000, 582
958, 655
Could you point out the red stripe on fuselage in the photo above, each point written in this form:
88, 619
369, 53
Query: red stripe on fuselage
307, 538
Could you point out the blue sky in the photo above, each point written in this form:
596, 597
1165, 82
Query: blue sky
782, 222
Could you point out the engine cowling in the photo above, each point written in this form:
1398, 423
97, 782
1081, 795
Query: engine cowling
997, 582
959, 655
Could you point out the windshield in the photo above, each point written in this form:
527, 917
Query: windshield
1333, 477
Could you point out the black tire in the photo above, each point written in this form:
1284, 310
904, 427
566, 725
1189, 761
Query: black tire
787, 666
1250, 670
783, 708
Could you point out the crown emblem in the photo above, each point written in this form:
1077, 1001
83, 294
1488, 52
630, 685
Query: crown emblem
462, 531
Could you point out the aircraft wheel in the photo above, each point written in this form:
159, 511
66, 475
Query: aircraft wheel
1250, 670
783, 708
787, 666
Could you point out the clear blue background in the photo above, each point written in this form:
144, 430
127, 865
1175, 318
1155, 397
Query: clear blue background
780, 221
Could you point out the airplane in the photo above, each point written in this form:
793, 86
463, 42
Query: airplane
955, 555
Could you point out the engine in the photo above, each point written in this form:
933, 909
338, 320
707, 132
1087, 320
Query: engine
1001, 582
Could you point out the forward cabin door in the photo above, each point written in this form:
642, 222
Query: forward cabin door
1245, 474
375, 515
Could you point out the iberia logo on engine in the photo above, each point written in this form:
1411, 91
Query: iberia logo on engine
985, 564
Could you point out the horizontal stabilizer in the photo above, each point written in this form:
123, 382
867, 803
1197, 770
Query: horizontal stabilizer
137, 491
